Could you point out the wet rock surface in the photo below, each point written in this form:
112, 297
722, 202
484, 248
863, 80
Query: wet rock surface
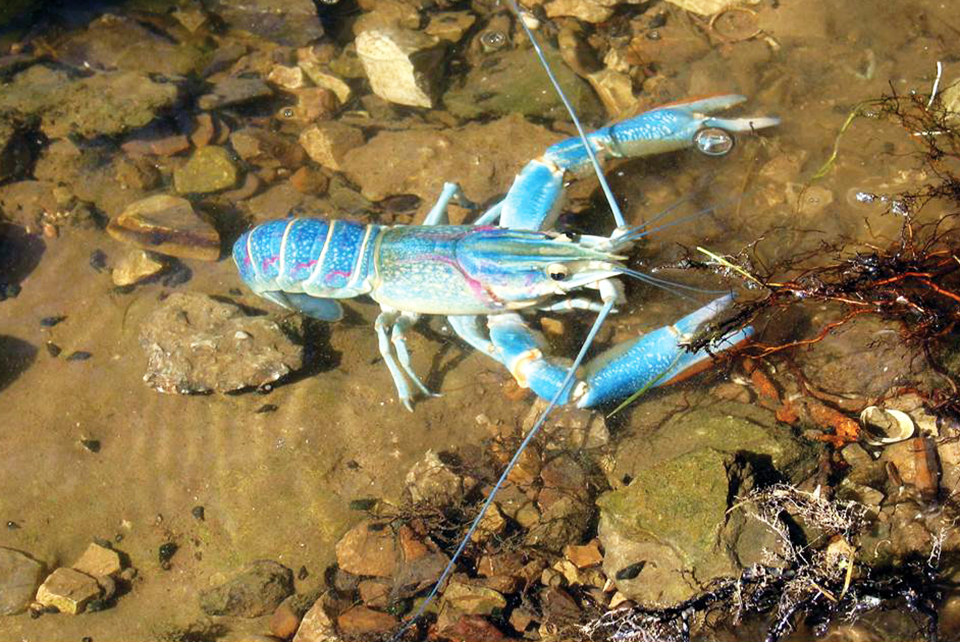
196, 344
255, 591
20, 575
169, 225
104, 104
289, 22
210, 169
136, 266
316, 626
509, 82
403, 65
432, 156
368, 549
669, 518
68, 591
116, 42
234, 91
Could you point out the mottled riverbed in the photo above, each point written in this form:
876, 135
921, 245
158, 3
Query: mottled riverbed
106, 104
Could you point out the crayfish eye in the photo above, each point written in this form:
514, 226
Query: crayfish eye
557, 271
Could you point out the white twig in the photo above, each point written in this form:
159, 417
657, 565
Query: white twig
936, 84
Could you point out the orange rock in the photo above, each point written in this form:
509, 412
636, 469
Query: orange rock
284, 622
368, 548
309, 181
845, 429
584, 556
361, 621
410, 545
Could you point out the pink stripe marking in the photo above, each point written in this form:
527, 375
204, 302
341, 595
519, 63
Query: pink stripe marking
480, 291
268, 262
308, 264
335, 273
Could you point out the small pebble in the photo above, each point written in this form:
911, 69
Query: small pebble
198, 512
79, 355
303, 573
49, 322
98, 260
93, 445
12, 525
178, 275
9, 290
267, 407
630, 572
363, 504
53, 349
166, 553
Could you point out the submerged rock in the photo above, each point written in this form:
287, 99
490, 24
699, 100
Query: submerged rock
403, 65
20, 575
586, 10
99, 561
168, 225
705, 7
196, 344
369, 548
256, 591
317, 626
287, 22
729, 427
450, 25
210, 169
329, 142
471, 599
672, 531
364, 623
68, 591
120, 42
107, 103
431, 480
511, 81
493, 151
134, 267
15, 153
84, 173
234, 91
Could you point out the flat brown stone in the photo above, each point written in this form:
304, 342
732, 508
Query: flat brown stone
168, 225
368, 549
99, 561
584, 556
68, 590
363, 621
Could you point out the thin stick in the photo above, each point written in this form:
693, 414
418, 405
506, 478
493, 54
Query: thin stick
936, 84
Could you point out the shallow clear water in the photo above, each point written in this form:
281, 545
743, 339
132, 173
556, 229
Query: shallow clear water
278, 485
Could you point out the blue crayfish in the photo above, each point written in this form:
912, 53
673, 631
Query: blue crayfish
470, 272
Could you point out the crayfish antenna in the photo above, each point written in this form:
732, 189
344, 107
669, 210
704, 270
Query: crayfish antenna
604, 185
608, 306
